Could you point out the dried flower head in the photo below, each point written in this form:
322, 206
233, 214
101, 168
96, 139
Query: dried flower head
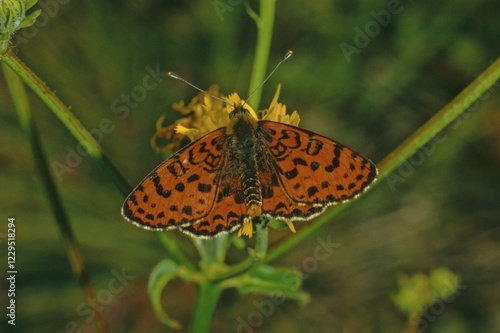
205, 114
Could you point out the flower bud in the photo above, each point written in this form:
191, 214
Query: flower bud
13, 17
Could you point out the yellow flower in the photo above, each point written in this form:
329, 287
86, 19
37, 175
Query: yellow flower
277, 112
205, 114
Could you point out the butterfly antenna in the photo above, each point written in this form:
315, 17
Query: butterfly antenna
287, 55
175, 76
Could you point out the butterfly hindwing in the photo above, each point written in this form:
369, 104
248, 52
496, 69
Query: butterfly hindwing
182, 190
228, 212
277, 204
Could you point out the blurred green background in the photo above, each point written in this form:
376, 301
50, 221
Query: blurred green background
440, 210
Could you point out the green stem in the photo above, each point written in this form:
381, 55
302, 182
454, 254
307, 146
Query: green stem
261, 243
75, 257
209, 250
399, 155
207, 296
265, 24
262, 240
174, 252
235, 270
66, 117
440, 120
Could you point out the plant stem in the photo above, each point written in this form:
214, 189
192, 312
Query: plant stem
174, 252
209, 250
398, 156
262, 240
66, 117
236, 270
207, 296
208, 292
265, 24
440, 120
20, 99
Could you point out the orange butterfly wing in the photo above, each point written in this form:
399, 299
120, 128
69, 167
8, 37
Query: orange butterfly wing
182, 190
304, 172
229, 210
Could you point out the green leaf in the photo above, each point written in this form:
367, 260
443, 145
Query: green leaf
30, 19
165, 271
274, 282
30, 3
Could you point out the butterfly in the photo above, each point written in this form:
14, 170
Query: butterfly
249, 170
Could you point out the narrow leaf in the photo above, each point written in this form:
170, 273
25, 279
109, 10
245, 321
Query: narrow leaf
161, 275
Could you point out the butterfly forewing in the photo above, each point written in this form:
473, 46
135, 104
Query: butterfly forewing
182, 190
312, 170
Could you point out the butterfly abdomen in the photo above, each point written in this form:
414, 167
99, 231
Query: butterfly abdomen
242, 152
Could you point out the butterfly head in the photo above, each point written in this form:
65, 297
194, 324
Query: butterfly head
239, 109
